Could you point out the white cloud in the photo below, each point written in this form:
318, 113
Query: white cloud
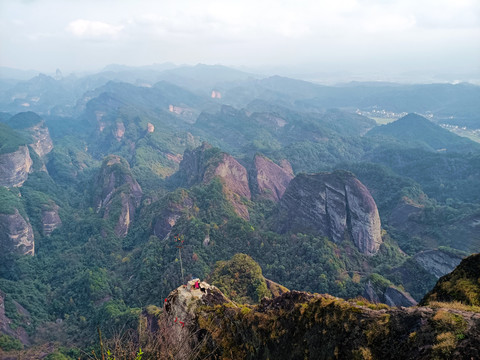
93, 29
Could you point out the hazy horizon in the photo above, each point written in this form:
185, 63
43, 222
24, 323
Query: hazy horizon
314, 40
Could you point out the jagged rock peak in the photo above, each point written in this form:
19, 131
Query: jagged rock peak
331, 204
117, 187
271, 179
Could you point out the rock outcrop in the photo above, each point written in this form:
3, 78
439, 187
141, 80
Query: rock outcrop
203, 323
205, 163
166, 219
15, 167
42, 142
389, 295
34, 126
119, 131
50, 219
16, 234
334, 205
395, 297
271, 179
461, 285
438, 262
178, 321
119, 193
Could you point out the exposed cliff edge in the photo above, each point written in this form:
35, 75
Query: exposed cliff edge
15, 167
461, 285
119, 193
331, 204
16, 234
204, 323
42, 142
32, 125
271, 179
205, 163
438, 262
390, 295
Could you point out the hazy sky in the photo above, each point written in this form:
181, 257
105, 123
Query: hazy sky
319, 35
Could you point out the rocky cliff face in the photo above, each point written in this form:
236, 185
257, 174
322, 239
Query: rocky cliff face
437, 262
119, 194
331, 204
235, 180
16, 234
50, 219
204, 163
42, 142
271, 179
390, 295
461, 285
298, 325
15, 167
167, 218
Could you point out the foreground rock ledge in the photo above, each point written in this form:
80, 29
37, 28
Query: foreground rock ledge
299, 325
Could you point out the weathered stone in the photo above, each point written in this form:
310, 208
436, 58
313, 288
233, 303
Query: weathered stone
370, 294
50, 219
331, 204
204, 321
119, 131
42, 142
197, 167
117, 183
168, 217
395, 297
271, 179
437, 262
16, 234
15, 167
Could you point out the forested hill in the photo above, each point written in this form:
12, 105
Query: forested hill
117, 188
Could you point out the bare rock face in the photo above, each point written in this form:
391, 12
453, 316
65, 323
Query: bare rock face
205, 163
370, 294
437, 262
178, 322
15, 167
334, 205
235, 180
395, 297
203, 323
119, 131
42, 142
120, 193
50, 219
168, 217
272, 180
16, 234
